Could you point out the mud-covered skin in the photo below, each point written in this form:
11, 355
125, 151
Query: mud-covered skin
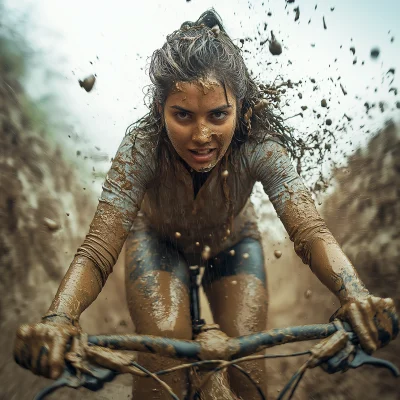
158, 299
157, 290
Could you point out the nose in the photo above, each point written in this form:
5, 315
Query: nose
202, 134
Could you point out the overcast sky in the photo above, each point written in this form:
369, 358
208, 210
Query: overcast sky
114, 39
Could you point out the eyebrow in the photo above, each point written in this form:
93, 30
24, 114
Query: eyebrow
218, 109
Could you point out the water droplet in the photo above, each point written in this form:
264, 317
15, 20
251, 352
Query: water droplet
178, 235
245, 255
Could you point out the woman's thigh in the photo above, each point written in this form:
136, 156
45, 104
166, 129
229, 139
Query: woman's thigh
236, 287
157, 293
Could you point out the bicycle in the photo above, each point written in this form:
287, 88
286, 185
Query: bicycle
94, 360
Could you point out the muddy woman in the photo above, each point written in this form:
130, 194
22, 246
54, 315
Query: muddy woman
177, 195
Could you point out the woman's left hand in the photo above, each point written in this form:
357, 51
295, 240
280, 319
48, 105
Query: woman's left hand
373, 319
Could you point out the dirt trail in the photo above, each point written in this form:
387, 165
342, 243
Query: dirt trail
37, 184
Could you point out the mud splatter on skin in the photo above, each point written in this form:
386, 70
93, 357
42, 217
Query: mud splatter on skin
158, 303
238, 314
184, 128
318, 248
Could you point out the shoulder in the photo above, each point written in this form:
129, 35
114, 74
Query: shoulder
263, 145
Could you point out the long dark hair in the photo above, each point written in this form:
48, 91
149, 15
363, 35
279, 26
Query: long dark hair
195, 51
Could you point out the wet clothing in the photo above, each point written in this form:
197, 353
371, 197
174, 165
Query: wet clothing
219, 216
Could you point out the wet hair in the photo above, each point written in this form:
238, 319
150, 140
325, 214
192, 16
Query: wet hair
200, 50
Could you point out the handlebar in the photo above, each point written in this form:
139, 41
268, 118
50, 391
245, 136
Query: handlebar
193, 351
190, 350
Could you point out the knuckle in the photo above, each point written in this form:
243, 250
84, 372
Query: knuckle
24, 331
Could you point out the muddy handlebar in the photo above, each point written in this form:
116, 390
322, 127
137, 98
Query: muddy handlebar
237, 347
193, 351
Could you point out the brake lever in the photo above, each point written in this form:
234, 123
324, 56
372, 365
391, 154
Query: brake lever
95, 381
362, 358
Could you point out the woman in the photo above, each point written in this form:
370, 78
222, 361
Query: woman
189, 166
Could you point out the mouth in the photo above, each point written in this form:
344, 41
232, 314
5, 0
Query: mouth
203, 155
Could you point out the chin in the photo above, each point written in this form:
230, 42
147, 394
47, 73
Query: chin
208, 168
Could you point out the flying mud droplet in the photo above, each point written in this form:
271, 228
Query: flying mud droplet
397, 104
275, 47
375, 53
323, 103
178, 235
51, 224
88, 83
277, 254
205, 254
245, 255
232, 252
353, 50
343, 90
328, 122
307, 293
304, 108
225, 173
297, 11
323, 20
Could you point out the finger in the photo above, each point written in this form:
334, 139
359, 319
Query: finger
391, 310
43, 361
25, 356
24, 332
56, 358
370, 309
35, 357
358, 324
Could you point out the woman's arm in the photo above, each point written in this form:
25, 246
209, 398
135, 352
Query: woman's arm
315, 244
123, 191
41, 347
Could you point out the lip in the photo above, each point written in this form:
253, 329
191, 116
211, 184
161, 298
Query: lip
201, 158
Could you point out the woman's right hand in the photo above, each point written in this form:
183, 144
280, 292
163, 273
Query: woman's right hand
41, 347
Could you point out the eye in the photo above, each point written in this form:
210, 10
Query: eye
219, 115
182, 115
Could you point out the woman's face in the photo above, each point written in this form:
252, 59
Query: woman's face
199, 122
